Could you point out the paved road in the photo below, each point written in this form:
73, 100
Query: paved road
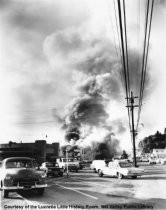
85, 190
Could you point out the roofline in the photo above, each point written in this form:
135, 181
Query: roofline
14, 158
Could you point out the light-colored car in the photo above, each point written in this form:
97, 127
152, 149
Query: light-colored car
52, 168
163, 161
71, 163
144, 159
21, 173
152, 160
96, 165
160, 161
120, 169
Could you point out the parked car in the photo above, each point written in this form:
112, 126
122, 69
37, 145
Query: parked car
152, 161
163, 161
96, 165
71, 163
144, 159
21, 173
82, 165
52, 168
120, 169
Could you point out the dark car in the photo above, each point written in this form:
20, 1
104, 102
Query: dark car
52, 168
21, 173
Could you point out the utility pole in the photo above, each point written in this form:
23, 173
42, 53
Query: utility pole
132, 106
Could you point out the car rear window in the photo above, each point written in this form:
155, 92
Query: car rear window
19, 164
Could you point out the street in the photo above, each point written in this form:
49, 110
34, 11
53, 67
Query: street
85, 190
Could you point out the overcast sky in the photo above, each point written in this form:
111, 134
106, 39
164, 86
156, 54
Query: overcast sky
56, 55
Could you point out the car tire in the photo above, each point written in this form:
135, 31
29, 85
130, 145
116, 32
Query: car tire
40, 191
120, 176
5, 193
100, 173
134, 177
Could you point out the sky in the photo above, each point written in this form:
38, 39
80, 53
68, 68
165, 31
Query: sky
60, 69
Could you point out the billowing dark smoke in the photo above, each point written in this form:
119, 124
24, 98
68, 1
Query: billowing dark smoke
72, 132
92, 65
106, 149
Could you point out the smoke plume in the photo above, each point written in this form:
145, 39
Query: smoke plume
95, 72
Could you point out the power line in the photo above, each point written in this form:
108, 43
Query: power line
123, 51
125, 70
126, 47
120, 52
145, 55
113, 32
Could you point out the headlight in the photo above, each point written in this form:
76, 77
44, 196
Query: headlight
8, 177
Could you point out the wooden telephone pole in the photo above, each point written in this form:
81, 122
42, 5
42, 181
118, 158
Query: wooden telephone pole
132, 106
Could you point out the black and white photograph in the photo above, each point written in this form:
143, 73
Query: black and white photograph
82, 104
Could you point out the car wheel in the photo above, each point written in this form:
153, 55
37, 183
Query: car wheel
94, 170
134, 177
100, 173
5, 193
120, 176
40, 191
76, 170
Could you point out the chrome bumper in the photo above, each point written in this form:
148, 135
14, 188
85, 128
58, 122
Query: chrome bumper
134, 174
24, 187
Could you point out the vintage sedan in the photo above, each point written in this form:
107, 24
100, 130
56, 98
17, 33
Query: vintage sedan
21, 173
120, 169
52, 168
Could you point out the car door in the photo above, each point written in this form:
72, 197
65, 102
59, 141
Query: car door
108, 169
114, 169
105, 169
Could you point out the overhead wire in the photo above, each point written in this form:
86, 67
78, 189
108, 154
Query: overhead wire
123, 51
124, 58
145, 56
120, 51
138, 39
126, 47
116, 22
115, 46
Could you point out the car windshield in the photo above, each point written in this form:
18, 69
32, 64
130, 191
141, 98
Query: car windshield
20, 164
52, 164
125, 165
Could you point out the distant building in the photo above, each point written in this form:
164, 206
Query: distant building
39, 150
159, 153
75, 152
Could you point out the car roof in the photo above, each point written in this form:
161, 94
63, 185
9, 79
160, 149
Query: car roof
17, 158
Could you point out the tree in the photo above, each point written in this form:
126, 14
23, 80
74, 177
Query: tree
157, 141
124, 155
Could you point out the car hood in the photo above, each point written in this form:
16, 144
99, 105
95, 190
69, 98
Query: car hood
24, 173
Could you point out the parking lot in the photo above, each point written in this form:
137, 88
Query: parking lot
86, 190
